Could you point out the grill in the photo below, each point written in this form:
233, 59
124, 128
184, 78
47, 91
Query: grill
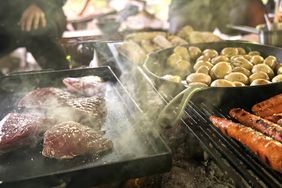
233, 157
140, 153
241, 164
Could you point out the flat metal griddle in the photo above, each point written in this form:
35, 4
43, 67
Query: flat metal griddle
136, 152
246, 169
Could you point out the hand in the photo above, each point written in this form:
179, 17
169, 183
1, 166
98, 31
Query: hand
32, 16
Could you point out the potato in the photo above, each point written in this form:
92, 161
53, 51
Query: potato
242, 62
220, 70
235, 56
203, 58
238, 84
185, 32
222, 83
198, 77
263, 68
258, 75
173, 59
162, 41
271, 61
247, 57
194, 52
219, 58
203, 69
202, 63
242, 70
259, 82
256, 59
210, 53
139, 36
172, 78
182, 67
241, 51
137, 56
277, 78
278, 65
202, 37
148, 46
251, 53
237, 77
182, 52
229, 52
198, 84
279, 71
176, 40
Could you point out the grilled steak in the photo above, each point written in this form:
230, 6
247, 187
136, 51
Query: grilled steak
63, 106
267, 149
88, 110
69, 139
18, 130
45, 97
86, 86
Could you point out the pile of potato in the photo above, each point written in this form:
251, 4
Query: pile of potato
137, 45
231, 67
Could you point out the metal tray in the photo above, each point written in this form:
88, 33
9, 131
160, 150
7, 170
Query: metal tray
137, 151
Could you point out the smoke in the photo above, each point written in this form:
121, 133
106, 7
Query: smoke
119, 120
142, 91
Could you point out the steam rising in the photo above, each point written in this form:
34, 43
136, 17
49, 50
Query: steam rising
116, 124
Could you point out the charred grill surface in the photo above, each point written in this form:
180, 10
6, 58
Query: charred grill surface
246, 168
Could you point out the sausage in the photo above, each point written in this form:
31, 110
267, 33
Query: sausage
274, 118
262, 125
268, 107
267, 149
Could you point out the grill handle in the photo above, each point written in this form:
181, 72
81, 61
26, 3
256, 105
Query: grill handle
173, 111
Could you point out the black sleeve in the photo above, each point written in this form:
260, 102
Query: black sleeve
48, 5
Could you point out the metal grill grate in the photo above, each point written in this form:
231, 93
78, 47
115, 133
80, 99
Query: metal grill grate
242, 164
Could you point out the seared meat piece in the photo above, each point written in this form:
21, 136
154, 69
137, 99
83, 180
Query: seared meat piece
44, 97
88, 110
87, 85
63, 106
18, 130
69, 139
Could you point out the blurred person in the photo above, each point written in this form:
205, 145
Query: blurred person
206, 15
36, 25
